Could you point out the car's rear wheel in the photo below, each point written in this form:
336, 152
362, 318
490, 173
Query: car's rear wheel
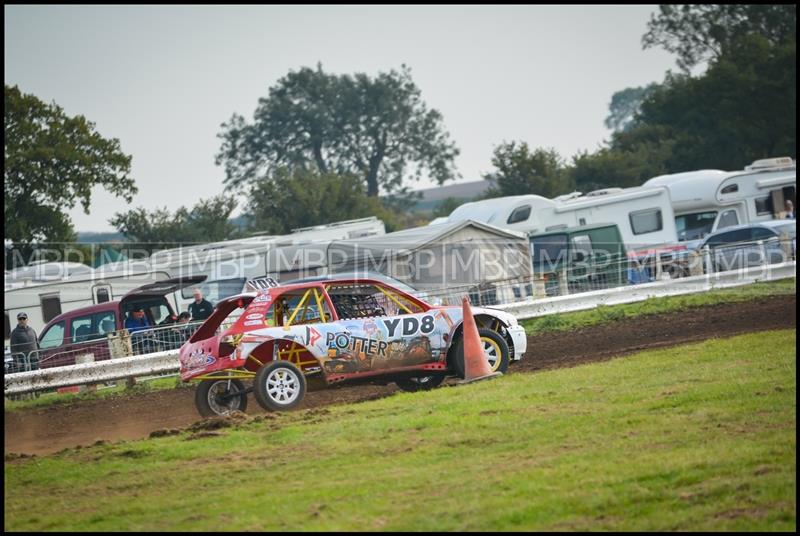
279, 386
423, 383
495, 349
220, 397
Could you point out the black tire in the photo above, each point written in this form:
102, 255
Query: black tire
213, 397
500, 365
423, 383
279, 386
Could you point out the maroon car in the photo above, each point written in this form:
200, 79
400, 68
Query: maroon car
85, 330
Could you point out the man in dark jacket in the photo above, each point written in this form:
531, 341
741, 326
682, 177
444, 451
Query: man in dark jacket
23, 341
200, 308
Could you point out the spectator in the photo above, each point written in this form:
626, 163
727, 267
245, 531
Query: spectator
181, 331
200, 308
136, 321
23, 337
790, 214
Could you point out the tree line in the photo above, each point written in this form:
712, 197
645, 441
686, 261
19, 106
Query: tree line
322, 147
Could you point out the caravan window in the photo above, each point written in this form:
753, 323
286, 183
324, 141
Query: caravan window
646, 221
693, 226
102, 295
51, 307
731, 188
520, 214
764, 205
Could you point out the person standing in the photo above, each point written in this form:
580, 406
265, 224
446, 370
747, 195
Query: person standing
23, 340
200, 308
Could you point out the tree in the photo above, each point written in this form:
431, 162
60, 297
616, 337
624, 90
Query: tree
207, 221
520, 171
624, 106
52, 161
374, 128
702, 32
292, 198
743, 108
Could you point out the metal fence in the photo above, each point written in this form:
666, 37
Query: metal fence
563, 277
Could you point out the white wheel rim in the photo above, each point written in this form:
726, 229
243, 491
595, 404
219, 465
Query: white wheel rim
490, 350
220, 388
283, 386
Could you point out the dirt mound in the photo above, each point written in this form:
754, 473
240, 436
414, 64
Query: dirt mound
48, 430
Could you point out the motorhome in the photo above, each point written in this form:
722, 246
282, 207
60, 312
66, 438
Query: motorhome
644, 216
710, 199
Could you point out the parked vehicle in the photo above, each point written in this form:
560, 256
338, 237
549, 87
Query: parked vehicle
581, 258
709, 200
85, 330
753, 244
337, 331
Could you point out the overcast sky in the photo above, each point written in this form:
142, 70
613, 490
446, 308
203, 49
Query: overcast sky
163, 79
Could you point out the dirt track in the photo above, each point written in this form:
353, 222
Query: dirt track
48, 430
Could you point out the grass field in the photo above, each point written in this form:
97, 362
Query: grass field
696, 437
670, 304
554, 322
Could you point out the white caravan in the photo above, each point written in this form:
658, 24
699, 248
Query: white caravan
709, 199
644, 216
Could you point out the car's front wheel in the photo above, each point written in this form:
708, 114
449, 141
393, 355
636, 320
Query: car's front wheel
279, 386
495, 349
220, 397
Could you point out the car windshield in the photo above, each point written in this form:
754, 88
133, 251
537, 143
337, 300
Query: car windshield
694, 226
548, 251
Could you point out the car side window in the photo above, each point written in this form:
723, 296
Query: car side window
105, 322
304, 306
353, 300
81, 328
52, 337
760, 233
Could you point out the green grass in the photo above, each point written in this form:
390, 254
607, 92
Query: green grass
695, 437
53, 398
651, 306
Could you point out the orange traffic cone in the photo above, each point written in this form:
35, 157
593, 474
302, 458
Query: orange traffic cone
476, 366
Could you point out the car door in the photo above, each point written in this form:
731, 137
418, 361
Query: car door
729, 249
382, 329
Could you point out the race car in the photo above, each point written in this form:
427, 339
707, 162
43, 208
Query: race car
354, 331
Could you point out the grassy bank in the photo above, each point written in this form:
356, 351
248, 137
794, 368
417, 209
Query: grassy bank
652, 306
697, 437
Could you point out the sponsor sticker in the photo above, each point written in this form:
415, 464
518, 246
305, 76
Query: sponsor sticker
254, 316
253, 323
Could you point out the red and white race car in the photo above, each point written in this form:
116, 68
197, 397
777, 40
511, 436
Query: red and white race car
340, 330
